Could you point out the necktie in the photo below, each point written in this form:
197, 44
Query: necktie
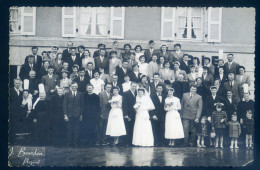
74, 95
17, 91
31, 66
90, 74
231, 85
81, 78
35, 58
229, 65
190, 96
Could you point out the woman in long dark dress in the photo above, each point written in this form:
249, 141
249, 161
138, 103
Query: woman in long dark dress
41, 120
22, 119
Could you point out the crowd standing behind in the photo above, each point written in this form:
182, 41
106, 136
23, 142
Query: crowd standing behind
143, 98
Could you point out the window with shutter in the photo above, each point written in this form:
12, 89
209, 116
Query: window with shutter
68, 21
189, 23
93, 21
117, 22
14, 20
214, 24
28, 20
167, 23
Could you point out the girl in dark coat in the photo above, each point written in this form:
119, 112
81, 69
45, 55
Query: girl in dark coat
219, 118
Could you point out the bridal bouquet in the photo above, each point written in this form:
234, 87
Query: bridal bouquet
168, 105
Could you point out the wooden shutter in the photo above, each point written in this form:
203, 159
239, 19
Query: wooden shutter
68, 21
167, 23
214, 24
28, 20
117, 23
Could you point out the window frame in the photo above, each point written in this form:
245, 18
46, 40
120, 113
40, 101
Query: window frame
189, 28
93, 23
18, 20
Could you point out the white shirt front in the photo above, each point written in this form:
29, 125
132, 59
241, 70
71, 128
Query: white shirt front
126, 86
73, 58
97, 83
50, 76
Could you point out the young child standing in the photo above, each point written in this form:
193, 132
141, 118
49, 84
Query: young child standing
248, 126
219, 118
202, 132
234, 131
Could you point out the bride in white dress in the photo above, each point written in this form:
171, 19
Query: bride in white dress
115, 124
143, 132
173, 124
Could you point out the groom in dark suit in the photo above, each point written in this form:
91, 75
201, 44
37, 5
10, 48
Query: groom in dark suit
158, 116
129, 112
104, 97
73, 109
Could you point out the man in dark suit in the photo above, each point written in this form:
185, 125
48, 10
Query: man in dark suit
115, 83
207, 78
44, 70
89, 72
50, 81
231, 66
158, 116
191, 105
66, 52
135, 75
73, 58
177, 54
129, 112
220, 64
104, 97
233, 86
33, 84
156, 81
229, 104
102, 61
150, 52
201, 89
15, 100
80, 54
184, 64
82, 80
221, 75
97, 52
27, 67
210, 101
37, 58
122, 72
180, 86
73, 110
91, 115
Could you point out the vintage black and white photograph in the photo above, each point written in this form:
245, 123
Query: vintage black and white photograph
131, 86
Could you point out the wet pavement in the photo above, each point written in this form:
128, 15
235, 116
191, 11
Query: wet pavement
151, 156
143, 156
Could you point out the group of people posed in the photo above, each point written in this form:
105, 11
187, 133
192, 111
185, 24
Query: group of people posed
130, 97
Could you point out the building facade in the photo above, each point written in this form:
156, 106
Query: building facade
200, 31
